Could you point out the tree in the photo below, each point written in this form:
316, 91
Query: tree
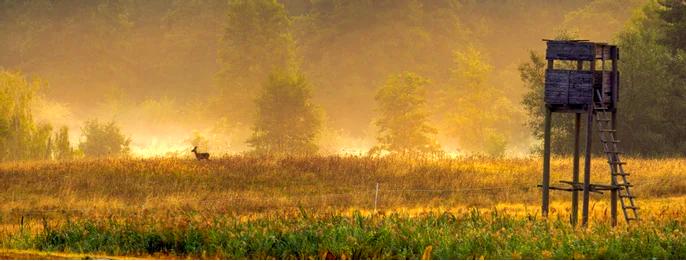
20, 137
672, 14
287, 121
63, 150
103, 140
40, 144
256, 42
652, 99
479, 115
403, 123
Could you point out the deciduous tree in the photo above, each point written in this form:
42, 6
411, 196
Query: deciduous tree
287, 121
20, 137
103, 140
403, 120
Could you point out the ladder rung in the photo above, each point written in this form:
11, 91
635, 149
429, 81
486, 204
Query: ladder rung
616, 162
614, 152
629, 218
631, 207
599, 119
627, 196
625, 185
608, 130
621, 174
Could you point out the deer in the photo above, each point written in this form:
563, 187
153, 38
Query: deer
200, 156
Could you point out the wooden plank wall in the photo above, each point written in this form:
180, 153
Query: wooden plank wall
564, 87
556, 87
580, 87
570, 51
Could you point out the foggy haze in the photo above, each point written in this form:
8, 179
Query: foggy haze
151, 66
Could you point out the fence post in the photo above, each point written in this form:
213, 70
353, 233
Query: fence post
376, 196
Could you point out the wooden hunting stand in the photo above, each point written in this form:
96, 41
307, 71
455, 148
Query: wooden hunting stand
592, 90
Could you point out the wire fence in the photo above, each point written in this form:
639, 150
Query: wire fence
375, 194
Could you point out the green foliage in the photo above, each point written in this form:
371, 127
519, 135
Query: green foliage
256, 42
287, 122
472, 235
403, 121
103, 140
63, 149
532, 74
20, 137
41, 143
478, 113
673, 16
673, 13
652, 96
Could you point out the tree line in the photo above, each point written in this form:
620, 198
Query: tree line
263, 80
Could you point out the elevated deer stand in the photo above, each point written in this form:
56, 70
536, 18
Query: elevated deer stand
591, 90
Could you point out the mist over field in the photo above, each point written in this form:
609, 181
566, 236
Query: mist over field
171, 73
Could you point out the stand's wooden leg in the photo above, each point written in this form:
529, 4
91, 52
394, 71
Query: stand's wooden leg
614, 194
575, 172
587, 169
546, 163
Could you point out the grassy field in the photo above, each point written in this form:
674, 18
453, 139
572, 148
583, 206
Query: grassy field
246, 207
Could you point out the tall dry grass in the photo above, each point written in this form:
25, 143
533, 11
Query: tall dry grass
240, 185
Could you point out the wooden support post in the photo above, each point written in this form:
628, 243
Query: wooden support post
587, 168
574, 219
546, 163
615, 77
615, 191
575, 172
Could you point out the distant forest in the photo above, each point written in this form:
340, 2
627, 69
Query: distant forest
198, 70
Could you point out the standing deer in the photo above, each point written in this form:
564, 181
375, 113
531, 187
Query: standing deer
200, 156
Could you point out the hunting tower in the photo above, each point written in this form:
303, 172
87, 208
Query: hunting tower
582, 78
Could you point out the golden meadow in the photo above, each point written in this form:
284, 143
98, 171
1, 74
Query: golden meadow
323, 207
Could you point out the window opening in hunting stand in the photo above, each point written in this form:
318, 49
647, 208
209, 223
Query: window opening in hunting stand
582, 78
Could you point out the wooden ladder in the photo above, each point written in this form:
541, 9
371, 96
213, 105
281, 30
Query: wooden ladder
610, 147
